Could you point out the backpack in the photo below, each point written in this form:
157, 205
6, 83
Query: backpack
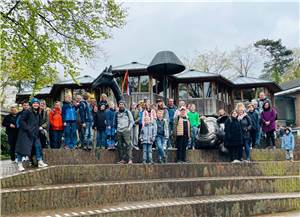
116, 117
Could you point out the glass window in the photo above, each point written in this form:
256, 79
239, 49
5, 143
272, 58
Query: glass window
207, 89
144, 83
182, 89
195, 90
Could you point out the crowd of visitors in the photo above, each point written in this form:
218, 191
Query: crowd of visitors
84, 123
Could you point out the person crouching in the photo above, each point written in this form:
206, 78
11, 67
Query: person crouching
147, 137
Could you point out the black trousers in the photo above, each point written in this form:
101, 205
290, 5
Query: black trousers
270, 138
182, 143
253, 134
235, 152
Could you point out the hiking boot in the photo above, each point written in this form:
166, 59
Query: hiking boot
41, 164
122, 162
20, 167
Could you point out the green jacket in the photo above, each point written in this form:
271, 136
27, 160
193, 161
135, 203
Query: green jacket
194, 118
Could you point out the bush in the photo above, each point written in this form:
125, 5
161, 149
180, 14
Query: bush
4, 142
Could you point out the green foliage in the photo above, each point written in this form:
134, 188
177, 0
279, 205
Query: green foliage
4, 142
279, 58
39, 37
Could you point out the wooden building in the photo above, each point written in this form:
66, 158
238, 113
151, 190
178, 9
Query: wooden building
208, 91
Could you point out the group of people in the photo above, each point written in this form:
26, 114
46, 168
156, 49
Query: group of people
74, 122
244, 129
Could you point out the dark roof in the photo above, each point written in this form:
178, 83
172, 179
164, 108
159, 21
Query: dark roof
165, 63
190, 75
82, 80
290, 84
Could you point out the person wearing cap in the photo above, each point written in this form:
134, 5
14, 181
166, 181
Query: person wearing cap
28, 136
288, 144
124, 123
182, 134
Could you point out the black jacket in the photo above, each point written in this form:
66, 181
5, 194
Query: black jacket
99, 120
233, 133
254, 120
28, 132
246, 126
12, 133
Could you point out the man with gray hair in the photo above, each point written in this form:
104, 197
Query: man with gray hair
124, 123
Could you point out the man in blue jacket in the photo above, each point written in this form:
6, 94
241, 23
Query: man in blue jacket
69, 117
86, 122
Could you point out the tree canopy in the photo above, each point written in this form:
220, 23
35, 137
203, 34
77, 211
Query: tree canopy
279, 58
39, 38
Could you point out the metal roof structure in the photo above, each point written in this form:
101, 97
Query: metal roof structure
191, 73
44, 91
290, 84
130, 66
86, 79
249, 82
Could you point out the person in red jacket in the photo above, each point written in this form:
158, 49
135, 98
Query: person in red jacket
56, 126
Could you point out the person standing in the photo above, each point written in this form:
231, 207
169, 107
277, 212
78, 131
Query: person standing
182, 134
56, 126
268, 119
261, 101
28, 136
124, 123
10, 123
86, 122
161, 107
110, 116
194, 119
171, 111
162, 135
233, 137
44, 124
148, 112
103, 100
288, 144
255, 124
69, 118
135, 129
147, 138
246, 126
100, 126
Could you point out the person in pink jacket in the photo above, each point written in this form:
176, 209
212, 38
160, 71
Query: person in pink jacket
148, 112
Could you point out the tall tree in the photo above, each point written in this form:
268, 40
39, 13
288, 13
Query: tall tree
279, 58
38, 37
214, 61
293, 70
243, 59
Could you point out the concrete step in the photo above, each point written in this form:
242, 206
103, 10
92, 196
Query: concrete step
65, 174
104, 193
241, 205
99, 156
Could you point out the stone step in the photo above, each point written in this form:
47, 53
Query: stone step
99, 156
91, 194
241, 205
65, 174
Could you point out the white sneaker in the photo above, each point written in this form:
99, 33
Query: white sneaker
235, 161
41, 164
20, 167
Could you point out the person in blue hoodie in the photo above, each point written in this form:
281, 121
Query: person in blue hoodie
86, 122
69, 117
288, 144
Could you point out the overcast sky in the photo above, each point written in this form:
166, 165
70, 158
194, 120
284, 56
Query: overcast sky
186, 27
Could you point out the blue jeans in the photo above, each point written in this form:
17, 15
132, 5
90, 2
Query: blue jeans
247, 148
258, 137
38, 151
193, 139
70, 133
87, 135
110, 136
101, 138
160, 140
147, 152
55, 138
